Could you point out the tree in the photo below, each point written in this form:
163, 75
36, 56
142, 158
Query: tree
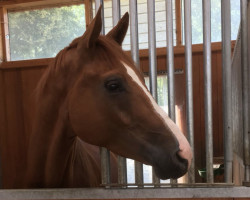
197, 24
42, 33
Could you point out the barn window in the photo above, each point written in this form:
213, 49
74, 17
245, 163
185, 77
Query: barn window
160, 22
41, 33
197, 24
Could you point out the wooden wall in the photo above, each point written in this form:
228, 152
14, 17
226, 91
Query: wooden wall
16, 113
18, 81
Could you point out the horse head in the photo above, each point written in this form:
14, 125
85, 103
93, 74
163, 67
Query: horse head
110, 106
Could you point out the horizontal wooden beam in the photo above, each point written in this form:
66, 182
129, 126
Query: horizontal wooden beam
31, 4
196, 48
25, 63
178, 50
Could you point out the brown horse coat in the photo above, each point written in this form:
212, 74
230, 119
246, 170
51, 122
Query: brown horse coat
92, 95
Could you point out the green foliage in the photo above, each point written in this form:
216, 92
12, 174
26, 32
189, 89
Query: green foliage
197, 24
42, 33
162, 90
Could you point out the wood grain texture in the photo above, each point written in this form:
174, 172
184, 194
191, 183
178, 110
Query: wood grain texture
178, 14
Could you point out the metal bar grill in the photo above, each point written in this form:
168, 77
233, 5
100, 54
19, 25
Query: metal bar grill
116, 11
227, 89
122, 165
97, 5
170, 59
105, 166
122, 170
139, 174
245, 83
170, 62
152, 48
134, 32
135, 55
152, 58
208, 89
189, 84
105, 154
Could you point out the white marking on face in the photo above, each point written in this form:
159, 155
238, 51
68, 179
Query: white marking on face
185, 150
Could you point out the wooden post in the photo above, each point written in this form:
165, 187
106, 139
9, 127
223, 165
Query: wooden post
5, 48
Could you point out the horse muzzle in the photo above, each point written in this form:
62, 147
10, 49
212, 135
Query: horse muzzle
171, 166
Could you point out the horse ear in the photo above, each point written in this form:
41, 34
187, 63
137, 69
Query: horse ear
119, 31
92, 33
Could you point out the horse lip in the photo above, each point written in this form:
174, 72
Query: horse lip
175, 168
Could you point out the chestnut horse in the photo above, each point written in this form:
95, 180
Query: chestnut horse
92, 96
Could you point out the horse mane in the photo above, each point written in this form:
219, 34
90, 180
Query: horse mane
52, 69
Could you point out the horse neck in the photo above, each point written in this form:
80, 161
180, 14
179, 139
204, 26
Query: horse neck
51, 116
60, 149
51, 137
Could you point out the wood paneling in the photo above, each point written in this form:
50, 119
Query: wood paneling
178, 15
16, 105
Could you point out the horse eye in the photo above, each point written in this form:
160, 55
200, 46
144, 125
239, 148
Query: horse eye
113, 86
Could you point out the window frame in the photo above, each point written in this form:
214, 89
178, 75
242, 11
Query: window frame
32, 4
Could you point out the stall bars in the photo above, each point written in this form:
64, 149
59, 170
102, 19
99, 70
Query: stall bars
227, 84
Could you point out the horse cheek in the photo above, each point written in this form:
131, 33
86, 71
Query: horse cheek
85, 120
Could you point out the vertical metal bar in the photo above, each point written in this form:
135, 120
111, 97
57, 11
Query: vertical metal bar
122, 164
152, 58
139, 174
105, 166
245, 85
189, 84
134, 32
170, 62
135, 55
170, 59
208, 88
122, 170
227, 90
97, 5
105, 154
116, 11
152, 48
